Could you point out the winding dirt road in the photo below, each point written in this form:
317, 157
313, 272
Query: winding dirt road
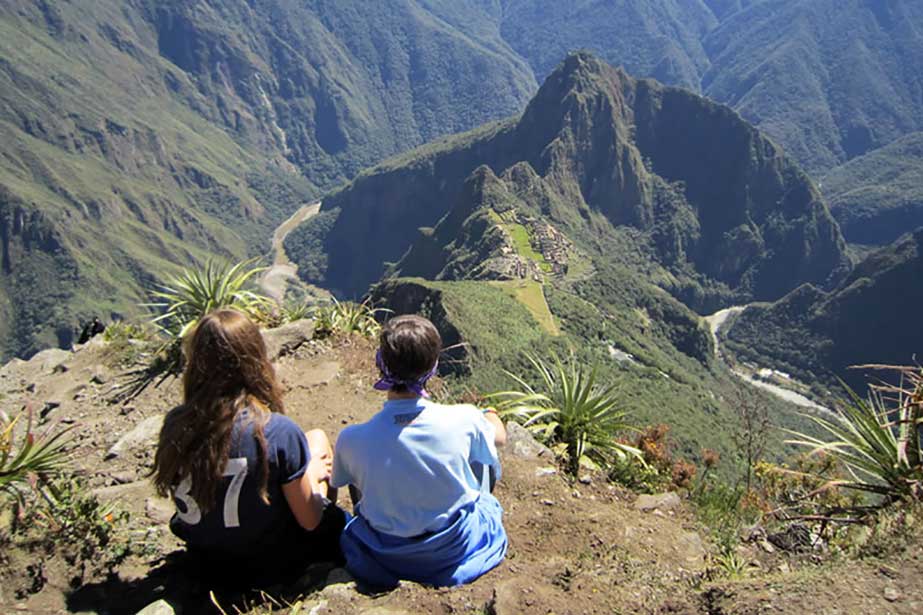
275, 280
715, 322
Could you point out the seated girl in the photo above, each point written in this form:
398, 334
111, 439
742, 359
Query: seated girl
251, 489
423, 513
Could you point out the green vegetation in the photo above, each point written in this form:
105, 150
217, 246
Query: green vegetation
196, 292
26, 455
824, 97
572, 409
707, 240
532, 295
818, 336
523, 244
878, 440
346, 317
878, 197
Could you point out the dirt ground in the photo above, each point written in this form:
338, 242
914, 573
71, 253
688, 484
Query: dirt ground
575, 546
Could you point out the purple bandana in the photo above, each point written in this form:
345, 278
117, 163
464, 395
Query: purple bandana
388, 381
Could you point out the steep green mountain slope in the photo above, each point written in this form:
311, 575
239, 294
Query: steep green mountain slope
137, 136
186, 129
651, 38
871, 318
879, 196
649, 176
106, 179
828, 79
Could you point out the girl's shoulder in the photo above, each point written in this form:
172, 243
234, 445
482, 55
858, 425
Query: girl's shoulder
282, 424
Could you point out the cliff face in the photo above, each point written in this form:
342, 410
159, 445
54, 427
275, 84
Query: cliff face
597, 151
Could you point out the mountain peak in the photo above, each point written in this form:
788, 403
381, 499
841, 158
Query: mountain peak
700, 188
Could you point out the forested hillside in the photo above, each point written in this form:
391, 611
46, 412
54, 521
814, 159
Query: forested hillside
879, 196
871, 318
190, 129
139, 135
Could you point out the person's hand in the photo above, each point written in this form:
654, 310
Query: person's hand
319, 470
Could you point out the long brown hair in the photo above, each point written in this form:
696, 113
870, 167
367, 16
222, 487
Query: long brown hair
227, 371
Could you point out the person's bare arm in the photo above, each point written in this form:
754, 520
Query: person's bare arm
499, 429
305, 496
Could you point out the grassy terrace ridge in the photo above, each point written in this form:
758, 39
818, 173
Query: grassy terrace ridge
532, 295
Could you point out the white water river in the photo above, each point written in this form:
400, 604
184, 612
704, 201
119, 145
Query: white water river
715, 322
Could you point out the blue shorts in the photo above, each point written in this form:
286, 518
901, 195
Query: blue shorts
473, 543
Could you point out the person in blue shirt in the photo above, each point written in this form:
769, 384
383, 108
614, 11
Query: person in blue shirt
251, 488
417, 468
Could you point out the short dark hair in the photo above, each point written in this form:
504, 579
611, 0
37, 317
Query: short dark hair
410, 346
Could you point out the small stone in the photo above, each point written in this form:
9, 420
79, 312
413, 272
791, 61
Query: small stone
586, 480
127, 409
121, 478
892, 595
144, 432
547, 502
575, 494
540, 472
339, 575
49, 406
766, 546
521, 443
161, 607
99, 376
662, 501
284, 340
68, 420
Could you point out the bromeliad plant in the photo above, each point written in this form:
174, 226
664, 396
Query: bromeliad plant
343, 317
26, 457
196, 292
571, 410
878, 440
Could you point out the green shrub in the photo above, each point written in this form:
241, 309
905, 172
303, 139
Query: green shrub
196, 292
877, 440
27, 457
345, 317
569, 408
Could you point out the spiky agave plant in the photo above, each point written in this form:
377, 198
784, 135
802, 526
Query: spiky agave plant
196, 291
342, 317
26, 455
877, 440
571, 409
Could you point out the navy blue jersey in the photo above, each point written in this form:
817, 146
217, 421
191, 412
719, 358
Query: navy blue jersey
239, 521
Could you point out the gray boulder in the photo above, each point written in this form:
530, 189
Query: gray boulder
286, 339
661, 501
521, 443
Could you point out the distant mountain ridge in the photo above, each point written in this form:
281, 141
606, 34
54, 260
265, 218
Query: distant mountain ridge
717, 204
879, 196
190, 129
